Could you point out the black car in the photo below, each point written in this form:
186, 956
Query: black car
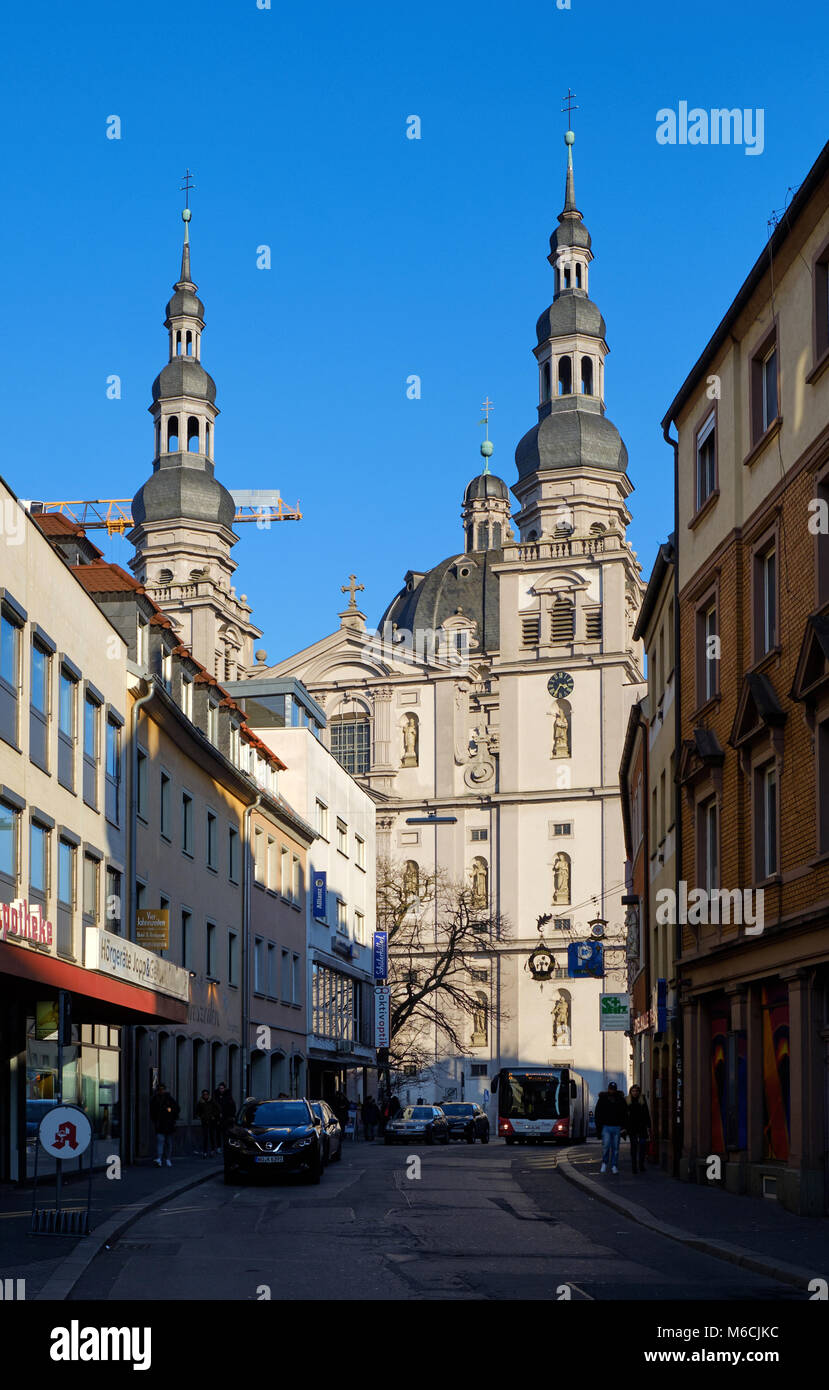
466, 1121
418, 1122
276, 1136
332, 1134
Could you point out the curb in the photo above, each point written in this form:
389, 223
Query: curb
60, 1284
720, 1249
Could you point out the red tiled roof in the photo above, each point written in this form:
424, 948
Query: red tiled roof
104, 577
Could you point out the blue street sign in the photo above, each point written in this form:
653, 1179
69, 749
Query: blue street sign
381, 955
320, 896
661, 1006
585, 959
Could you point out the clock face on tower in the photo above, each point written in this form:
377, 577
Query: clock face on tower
560, 685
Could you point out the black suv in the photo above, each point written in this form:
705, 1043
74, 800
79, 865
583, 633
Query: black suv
466, 1121
276, 1136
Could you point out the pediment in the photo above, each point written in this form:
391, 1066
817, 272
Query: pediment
758, 710
811, 676
700, 754
559, 581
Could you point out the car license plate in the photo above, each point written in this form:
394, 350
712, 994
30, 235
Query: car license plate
271, 1158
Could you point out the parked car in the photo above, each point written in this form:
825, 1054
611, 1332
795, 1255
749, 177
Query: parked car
466, 1121
331, 1130
279, 1136
418, 1122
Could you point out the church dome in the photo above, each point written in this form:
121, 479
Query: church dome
571, 436
187, 493
184, 376
571, 312
185, 303
461, 582
485, 485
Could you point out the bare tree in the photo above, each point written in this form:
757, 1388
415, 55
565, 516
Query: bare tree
438, 931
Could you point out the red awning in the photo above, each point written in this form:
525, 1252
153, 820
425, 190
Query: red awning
122, 1003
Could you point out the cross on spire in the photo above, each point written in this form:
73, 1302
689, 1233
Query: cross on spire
186, 186
352, 589
487, 408
569, 107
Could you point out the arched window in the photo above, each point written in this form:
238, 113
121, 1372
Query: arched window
207, 437
178, 343
483, 536
172, 435
158, 436
351, 742
546, 384
567, 277
565, 376
189, 343
587, 376
496, 535
578, 275
192, 435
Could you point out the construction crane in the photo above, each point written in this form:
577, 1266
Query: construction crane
113, 514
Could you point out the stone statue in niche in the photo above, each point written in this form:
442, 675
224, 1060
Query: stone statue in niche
480, 883
561, 734
411, 879
561, 1021
561, 879
410, 741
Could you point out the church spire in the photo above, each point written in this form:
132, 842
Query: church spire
185, 278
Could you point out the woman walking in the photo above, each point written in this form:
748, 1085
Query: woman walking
638, 1126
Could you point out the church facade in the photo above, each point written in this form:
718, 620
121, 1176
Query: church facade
486, 713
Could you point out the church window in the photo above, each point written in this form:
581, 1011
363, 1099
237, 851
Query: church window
587, 376
496, 535
483, 536
207, 438
530, 630
565, 376
350, 744
189, 343
172, 435
562, 621
546, 386
158, 437
593, 625
567, 277
192, 435
578, 275
178, 343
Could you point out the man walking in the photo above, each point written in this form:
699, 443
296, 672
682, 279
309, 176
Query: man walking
611, 1115
227, 1107
163, 1113
208, 1112
370, 1117
638, 1125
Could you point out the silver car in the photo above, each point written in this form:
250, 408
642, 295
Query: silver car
426, 1122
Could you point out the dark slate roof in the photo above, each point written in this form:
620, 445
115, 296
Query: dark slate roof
571, 232
189, 493
485, 485
185, 303
184, 376
575, 434
443, 590
571, 312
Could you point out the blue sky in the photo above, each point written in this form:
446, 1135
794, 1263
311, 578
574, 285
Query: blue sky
390, 256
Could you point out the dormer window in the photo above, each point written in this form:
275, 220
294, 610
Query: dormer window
167, 668
141, 642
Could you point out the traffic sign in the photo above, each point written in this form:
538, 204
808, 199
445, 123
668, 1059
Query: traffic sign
65, 1131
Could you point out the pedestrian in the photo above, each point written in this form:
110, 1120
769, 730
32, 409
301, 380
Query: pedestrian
611, 1116
340, 1107
638, 1126
370, 1115
207, 1111
420, 1101
163, 1113
394, 1107
227, 1107
383, 1118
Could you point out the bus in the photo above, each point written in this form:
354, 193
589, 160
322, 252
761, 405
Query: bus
540, 1103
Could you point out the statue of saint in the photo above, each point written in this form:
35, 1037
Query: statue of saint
410, 741
561, 735
480, 883
561, 1022
411, 879
561, 879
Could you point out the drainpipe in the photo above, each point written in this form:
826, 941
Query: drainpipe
130, 1060
248, 861
679, 1109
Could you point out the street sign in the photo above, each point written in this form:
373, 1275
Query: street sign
585, 959
65, 1131
320, 881
614, 1013
381, 955
152, 928
382, 1000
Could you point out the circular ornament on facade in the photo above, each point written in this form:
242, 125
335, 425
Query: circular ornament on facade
541, 964
65, 1131
476, 773
560, 685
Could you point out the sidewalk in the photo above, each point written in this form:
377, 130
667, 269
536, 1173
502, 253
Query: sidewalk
756, 1234
51, 1264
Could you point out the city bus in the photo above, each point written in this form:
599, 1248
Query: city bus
540, 1103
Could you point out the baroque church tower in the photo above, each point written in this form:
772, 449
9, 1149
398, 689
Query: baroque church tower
183, 516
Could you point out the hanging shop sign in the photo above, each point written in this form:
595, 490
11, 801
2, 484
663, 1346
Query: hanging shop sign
614, 1013
152, 928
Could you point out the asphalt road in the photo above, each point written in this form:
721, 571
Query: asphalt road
464, 1223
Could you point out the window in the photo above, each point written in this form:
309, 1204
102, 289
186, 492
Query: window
141, 800
283, 872
112, 907
530, 630
821, 290
271, 979
706, 452
565, 367
91, 725
234, 742
295, 996
9, 843
593, 625
708, 645
233, 855
211, 949
322, 819
272, 865
91, 871
141, 641
112, 773
66, 898
187, 696
765, 793
233, 958
296, 880
9, 676
342, 836
211, 840
67, 715
342, 918
350, 740
186, 938
563, 827
39, 859
39, 706
764, 387
258, 860
586, 369
165, 806
664, 808
823, 785
259, 965
286, 977
187, 823
360, 928
212, 720
562, 621
708, 845
479, 833
765, 600
359, 852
